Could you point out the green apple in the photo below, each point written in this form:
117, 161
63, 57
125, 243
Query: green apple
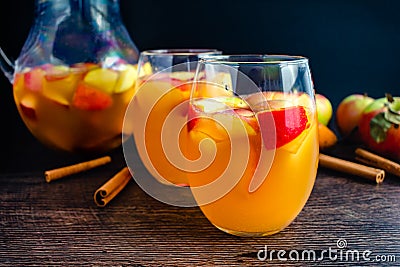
324, 109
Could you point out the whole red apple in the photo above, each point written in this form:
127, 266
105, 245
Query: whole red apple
348, 113
379, 127
324, 109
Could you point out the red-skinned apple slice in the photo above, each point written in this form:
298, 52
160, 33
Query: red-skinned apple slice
285, 124
34, 79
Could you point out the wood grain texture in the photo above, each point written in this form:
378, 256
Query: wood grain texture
59, 224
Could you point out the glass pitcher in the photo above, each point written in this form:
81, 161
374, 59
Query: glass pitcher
75, 75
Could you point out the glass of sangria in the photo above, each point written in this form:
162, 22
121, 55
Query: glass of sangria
158, 111
253, 141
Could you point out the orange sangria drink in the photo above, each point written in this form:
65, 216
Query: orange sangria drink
77, 108
261, 144
160, 108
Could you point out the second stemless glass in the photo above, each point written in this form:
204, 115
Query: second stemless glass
160, 108
258, 132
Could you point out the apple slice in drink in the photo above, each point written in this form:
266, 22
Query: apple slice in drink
224, 79
286, 124
207, 89
59, 85
54, 73
34, 79
220, 103
145, 69
283, 118
27, 106
218, 85
182, 75
102, 79
229, 117
127, 78
80, 68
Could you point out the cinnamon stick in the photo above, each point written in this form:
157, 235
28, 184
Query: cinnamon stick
353, 168
112, 187
59, 173
374, 160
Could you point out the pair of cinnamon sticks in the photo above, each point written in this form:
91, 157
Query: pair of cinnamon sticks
373, 170
107, 191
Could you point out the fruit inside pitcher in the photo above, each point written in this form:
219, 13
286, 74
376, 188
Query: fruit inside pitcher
77, 108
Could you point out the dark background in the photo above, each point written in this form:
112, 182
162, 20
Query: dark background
353, 47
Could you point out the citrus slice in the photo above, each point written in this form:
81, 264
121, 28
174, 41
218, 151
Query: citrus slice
285, 124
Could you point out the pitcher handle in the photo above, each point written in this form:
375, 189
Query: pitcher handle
7, 66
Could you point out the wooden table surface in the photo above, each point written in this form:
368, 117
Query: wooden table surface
58, 223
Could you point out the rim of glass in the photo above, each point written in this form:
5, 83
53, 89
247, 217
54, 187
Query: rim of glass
182, 51
255, 59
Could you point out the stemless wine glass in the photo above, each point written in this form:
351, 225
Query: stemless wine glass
258, 132
160, 110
